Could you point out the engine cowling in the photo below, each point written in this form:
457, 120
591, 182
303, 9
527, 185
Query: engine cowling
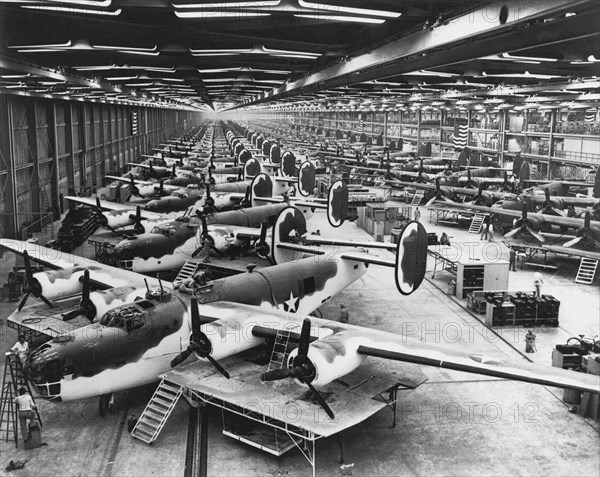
332, 358
58, 284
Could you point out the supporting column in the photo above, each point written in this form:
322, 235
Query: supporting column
10, 223
54, 169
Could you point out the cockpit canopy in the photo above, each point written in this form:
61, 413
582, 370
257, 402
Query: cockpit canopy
128, 318
164, 229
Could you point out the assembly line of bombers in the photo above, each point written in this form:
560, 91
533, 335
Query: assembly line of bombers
110, 328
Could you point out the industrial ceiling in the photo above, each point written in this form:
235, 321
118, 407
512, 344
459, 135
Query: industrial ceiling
382, 54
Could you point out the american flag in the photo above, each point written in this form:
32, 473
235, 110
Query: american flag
134, 123
461, 134
590, 115
359, 128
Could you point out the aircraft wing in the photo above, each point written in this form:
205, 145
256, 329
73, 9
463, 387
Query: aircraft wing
342, 355
108, 205
128, 179
575, 252
549, 219
101, 275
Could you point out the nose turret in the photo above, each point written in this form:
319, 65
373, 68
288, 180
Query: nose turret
44, 369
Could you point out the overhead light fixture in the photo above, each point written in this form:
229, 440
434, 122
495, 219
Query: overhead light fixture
340, 18
255, 50
85, 11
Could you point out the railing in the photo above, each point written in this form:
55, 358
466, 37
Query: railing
587, 157
578, 127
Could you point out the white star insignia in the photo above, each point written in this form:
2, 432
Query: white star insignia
291, 303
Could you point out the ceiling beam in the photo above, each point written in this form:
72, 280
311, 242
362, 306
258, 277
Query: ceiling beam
480, 29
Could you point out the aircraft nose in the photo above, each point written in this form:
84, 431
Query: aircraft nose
152, 206
124, 250
43, 369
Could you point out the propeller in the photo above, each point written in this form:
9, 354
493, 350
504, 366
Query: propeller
33, 287
420, 174
211, 179
134, 188
303, 369
173, 175
199, 343
102, 220
209, 202
547, 206
438, 193
583, 234
262, 247
86, 306
205, 239
469, 182
523, 226
138, 228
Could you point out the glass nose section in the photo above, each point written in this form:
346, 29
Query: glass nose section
45, 374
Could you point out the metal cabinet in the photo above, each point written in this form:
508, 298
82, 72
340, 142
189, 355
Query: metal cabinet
480, 275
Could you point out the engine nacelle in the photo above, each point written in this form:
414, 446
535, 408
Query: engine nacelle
332, 357
58, 284
105, 300
228, 337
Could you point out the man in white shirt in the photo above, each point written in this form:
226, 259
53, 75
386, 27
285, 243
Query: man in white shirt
21, 348
25, 406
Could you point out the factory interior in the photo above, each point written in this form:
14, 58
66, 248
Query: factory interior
284, 238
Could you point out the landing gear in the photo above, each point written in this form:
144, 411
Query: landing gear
106, 404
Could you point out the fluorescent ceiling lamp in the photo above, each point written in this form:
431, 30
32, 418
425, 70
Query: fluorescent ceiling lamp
74, 10
342, 9
508, 56
15, 76
243, 69
430, 73
122, 78
339, 18
527, 74
197, 6
178, 80
256, 50
202, 14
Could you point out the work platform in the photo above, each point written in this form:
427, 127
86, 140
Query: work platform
288, 408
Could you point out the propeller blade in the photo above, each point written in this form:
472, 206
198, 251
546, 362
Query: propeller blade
85, 294
196, 322
204, 232
512, 232
304, 339
72, 314
22, 302
46, 301
218, 367
180, 358
198, 250
138, 227
431, 201
573, 242
276, 374
539, 237
322, 402
263, 231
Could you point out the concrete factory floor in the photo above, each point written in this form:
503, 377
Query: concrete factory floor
453, 424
